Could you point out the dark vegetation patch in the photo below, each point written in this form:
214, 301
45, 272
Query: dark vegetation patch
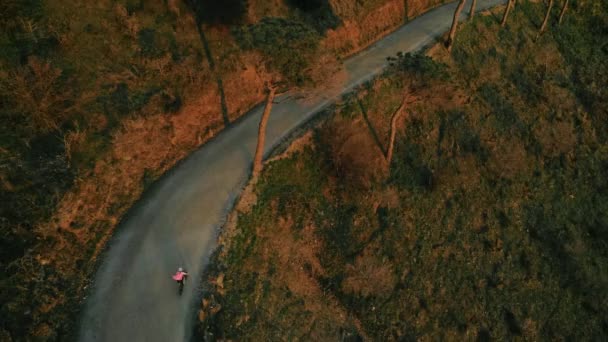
499, 228
225, 12
317, 13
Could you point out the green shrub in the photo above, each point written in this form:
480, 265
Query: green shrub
506, 119
134, 6
418, 65
16, 44
529, 84
460, 137
41, 174
409, 170
582, 41
148, 43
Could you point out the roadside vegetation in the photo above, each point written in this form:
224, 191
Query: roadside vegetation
489, 223
98, 99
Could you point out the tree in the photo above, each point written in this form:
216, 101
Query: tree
308, 5
418, 70
35, 100
391, 142
472, 11
544, 25
510, 5
450, 41
563, 11
317, 13
289, 47
259, 150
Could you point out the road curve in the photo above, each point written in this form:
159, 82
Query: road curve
176, 223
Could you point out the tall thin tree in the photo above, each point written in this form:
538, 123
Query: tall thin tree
547, 15
259, 150
472, 11
563, 11
510, 5
391, 142
450, 41
289, 48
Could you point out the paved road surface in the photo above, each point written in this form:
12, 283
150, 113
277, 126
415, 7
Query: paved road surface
133, 297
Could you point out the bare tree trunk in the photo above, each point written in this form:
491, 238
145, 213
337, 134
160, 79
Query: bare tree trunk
450, 41
472, 11
506, 14
391, 142
259, 150
547, 15
561, 14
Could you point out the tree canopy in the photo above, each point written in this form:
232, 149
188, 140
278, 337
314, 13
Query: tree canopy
289, 46
225, 12
307, 5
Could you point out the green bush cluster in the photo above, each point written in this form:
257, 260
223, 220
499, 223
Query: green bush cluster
417, 65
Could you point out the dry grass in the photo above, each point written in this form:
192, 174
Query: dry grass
87, 214
369, 276
361, 27
357, 33
556, 138
151, 142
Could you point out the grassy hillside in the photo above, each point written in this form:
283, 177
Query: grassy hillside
98, 99
72, 76
490, 223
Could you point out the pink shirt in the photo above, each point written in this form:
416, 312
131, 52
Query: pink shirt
179, 276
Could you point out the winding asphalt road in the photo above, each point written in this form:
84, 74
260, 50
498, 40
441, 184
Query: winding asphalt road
133, 297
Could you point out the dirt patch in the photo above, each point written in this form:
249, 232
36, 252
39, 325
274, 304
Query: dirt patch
292, 256
298, 267
389, 198
369, 275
